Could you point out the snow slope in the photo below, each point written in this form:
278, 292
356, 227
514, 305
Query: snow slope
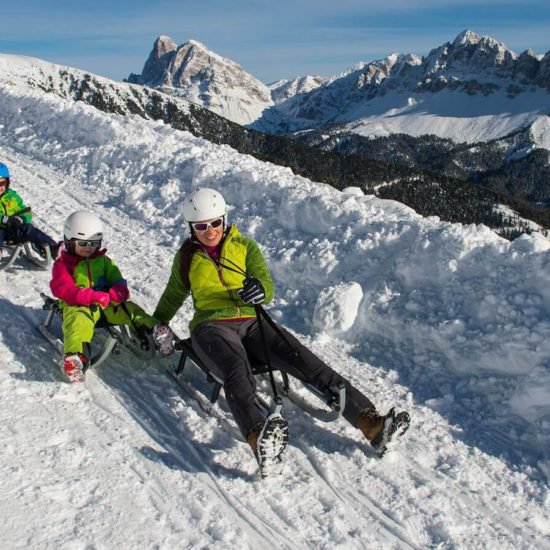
453, 115
448, 321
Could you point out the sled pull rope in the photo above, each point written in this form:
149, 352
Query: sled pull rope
261, 312
276, 396
259, 309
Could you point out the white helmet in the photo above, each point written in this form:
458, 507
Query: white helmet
83, 225
203, 204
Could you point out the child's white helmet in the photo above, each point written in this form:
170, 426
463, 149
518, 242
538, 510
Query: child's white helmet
83, 225
203, 204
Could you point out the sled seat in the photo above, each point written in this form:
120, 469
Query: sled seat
334, 397
187, 352
141, 345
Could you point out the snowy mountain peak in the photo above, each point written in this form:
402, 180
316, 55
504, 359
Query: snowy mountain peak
472, 53
163, 44
469, 38
284, 89
194, 72
196, 43
409, 94
466, 37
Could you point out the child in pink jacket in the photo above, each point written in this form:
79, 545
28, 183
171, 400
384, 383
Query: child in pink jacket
90, 286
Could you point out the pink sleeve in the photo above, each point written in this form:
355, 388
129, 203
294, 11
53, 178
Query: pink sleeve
64, 288
119, 292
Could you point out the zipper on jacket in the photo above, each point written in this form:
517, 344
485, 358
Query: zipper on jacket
222, 280
90, 281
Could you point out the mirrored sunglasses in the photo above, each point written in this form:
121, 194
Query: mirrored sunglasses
203, 226
89, 244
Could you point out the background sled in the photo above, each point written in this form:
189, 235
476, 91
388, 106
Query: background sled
106, 338
12, 251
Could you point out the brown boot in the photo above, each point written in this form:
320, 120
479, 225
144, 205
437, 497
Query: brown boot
380, 430
370, 423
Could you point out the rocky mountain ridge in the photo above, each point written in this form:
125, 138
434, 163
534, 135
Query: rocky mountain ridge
470, 65
458, 201
367, 95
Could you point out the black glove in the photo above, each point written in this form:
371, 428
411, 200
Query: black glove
15, 221
252, 291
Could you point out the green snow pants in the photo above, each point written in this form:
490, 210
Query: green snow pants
79, 322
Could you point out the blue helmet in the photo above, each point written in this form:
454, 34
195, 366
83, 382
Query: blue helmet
4, 172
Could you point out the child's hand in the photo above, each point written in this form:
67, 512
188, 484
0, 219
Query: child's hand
13, 221
119, 293
100, 298
16, 221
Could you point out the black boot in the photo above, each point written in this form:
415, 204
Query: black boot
268, 441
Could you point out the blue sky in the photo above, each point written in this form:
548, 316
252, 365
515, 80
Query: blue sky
271, 39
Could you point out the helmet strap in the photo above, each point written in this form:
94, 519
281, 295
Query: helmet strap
69, 246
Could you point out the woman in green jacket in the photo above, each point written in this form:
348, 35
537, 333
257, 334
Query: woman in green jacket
227, 276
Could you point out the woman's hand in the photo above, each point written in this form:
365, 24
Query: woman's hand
252, 291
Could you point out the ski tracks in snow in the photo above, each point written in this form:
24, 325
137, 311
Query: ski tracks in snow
126, 461
128, 431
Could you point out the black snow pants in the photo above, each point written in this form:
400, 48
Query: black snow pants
225, 347
25, 232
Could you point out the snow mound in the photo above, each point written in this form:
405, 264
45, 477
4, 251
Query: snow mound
336, 308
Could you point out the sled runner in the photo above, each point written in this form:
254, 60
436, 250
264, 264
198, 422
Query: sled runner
334, 398
12, 250
107, 338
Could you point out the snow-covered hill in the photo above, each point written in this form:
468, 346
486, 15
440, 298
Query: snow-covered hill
448, 321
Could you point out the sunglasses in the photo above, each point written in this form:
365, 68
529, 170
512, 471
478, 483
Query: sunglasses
203, 226
3, 182
89, 244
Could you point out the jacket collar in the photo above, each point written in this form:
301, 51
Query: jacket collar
71, 260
